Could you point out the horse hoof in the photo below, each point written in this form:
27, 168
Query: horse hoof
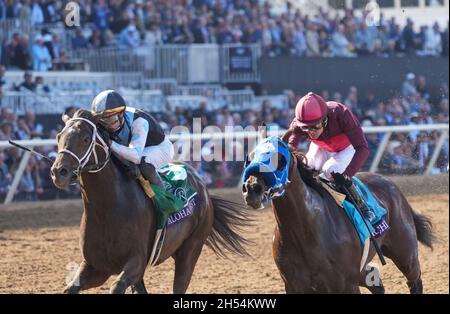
118, 288
71, 290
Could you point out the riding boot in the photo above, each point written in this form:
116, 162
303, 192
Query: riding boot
368, 215
149, 173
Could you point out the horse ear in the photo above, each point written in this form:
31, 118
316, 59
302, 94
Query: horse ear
285, 137
262, 129
247, 161
96, 119
281, 162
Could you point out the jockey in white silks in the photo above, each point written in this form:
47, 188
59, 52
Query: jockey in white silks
136, 135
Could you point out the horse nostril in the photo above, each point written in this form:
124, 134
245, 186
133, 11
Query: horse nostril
63, 172
244, 188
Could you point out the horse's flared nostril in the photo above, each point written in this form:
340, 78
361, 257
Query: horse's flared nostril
61, 172
244, 188
257, 189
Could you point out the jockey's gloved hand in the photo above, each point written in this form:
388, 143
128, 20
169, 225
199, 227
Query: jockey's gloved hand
341, 180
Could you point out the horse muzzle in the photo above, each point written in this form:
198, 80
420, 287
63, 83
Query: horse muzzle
62, 176
252, 198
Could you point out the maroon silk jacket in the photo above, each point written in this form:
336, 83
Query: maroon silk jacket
343, 129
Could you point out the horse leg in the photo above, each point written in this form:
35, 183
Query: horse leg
185, 260
86, 277
131, 274
407, 261
139, 288
371, 279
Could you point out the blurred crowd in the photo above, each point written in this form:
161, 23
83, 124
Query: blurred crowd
132, 23
407, 153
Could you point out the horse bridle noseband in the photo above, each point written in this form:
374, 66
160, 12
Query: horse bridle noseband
98, 166
268, 193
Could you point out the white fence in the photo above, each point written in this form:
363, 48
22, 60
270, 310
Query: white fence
443, 128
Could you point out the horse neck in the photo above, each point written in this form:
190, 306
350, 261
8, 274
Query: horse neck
293, 213
98, 189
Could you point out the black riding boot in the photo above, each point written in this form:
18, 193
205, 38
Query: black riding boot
149, 173
368, 215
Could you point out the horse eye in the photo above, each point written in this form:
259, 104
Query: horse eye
86, 139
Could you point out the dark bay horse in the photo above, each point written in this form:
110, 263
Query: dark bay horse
119, 222
315, 246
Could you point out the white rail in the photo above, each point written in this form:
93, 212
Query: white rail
388, 130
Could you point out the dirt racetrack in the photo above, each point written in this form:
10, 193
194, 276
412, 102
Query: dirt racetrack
39, 249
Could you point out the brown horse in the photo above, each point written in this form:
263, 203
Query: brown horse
316, 247
119, 222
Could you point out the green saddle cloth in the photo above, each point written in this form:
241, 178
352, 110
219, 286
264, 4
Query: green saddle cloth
176, 195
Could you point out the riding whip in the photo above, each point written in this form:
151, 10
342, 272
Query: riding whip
31, 151
372, 239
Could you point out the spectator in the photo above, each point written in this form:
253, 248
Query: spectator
79, 41
102, 16
40, 55
340, 46
56, 46
37, 16
40, 86
2, 76
299, 41
22, 132
5, 176
200, 31
129, 37
62, 63
408, 37
16, 52
96, 40
444, 40
25, 11
7, 131
36, 129
27, 186
153, 36
408, 87
27, 84
312, 40
433, 43
421, 87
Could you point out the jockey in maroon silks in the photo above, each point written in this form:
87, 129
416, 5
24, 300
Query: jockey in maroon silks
338, 145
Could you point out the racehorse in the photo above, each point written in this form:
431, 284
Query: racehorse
118, 224
316, 247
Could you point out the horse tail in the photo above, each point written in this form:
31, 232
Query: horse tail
424, 229
229, 219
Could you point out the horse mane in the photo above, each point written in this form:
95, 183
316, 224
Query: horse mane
309, 176
83, 113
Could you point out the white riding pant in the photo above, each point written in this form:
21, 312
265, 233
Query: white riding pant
159, 155
328, 162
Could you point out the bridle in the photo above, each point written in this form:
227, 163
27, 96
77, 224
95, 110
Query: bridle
96, 140
274, 192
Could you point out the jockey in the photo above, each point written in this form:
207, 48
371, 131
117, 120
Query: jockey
338, 145
136, 135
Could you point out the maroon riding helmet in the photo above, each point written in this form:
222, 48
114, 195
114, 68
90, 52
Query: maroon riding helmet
310, 110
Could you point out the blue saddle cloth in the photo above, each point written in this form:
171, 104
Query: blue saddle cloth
378, 225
